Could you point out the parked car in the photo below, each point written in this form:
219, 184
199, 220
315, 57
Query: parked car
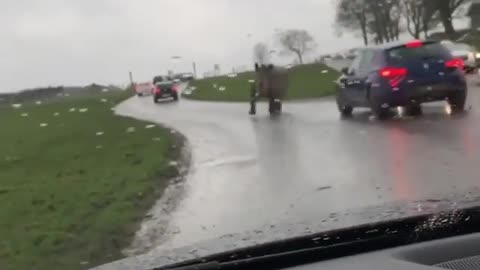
338, 56
469, 55
187, 77
143, 89
351, 54
402, 74
161, 78
165, 89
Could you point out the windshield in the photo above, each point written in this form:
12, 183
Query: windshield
432, 50
267, 132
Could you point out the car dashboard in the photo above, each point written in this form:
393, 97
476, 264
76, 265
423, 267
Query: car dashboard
454, 253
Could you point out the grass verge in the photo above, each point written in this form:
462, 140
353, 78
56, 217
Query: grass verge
306, 81
75, 181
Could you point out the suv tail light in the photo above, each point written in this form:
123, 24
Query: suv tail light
394, 75
156, 90
414, 44
455, 63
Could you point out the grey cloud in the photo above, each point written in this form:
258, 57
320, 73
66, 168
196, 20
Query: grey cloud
53, 42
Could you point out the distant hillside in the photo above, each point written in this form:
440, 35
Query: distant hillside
48, 93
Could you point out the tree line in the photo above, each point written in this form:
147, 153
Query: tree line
379, 21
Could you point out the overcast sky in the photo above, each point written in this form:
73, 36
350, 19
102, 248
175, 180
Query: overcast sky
76, 42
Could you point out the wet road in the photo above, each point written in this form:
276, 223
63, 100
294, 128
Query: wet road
248, 172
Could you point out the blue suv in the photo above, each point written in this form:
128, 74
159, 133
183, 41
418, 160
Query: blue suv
402, 74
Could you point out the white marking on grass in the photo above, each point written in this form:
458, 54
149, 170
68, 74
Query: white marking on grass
38, 102
16, 105
103, 100
324, 71
43, 125
99, 133
82, 110
222, 88
130, 129
149, 126
56, 114
24, 114
72, 110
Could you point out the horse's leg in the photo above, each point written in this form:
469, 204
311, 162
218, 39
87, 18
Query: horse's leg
253, 100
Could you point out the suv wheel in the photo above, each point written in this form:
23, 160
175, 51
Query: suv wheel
378, 110
457, 101
413, 110
345, 110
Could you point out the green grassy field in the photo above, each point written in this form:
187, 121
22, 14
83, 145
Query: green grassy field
74, 185
306, 81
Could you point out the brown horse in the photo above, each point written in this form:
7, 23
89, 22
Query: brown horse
271, 82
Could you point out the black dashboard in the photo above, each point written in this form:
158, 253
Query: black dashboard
455, 253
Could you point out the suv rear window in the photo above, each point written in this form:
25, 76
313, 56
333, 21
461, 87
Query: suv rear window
427, 51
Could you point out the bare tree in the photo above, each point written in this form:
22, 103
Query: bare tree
261, 53
352, 15
384, 19
420, 16
378, 19
297, 42
446, 8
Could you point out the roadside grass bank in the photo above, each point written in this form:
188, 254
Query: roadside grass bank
305, 81
76, 181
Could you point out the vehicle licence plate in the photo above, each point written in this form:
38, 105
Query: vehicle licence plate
429, 88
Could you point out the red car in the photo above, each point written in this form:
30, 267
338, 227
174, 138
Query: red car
165, 89
143, 89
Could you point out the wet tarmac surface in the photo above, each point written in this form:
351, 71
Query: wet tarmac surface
252, 172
